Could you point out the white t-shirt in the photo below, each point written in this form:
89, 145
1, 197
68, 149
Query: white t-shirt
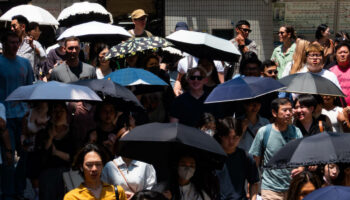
332, 114
182, 66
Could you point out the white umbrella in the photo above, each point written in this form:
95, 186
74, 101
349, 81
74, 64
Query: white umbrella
204, 45
32, 13
92, 31
81, 12
53, 90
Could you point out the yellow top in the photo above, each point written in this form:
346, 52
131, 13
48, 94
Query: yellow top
107, 193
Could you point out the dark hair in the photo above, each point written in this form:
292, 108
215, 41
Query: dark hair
342, 44
99, 47
242, 22
290, 29
21, 20
71, 39
206, 118
100, 106
299, 181
148, 195
342, 34
249, 58
6, 36
267, 63
32, 26
307, 100
147, 58
80, 156
320, 29
275, 104
224, 126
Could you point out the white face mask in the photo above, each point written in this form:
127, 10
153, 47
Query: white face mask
186, 173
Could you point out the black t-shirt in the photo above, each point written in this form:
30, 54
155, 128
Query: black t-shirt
314, 128
241, 167
188, 109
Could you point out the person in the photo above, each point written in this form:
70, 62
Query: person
207, 123
250, 65
73, 69
139, 19
251, 122
305, 105
332, 111
341, 70
284, 53
299, 58
240, 165
330, 174
315, 63
188, 107
90, 161
302, 185
322, 36
241, 41
269, 69
34, 32
268, 141
15, 71
29, 48
103, 66
132, 175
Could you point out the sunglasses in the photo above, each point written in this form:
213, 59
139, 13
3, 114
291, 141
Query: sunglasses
272, 71
246, 30
71, 48
281, 33
192, 78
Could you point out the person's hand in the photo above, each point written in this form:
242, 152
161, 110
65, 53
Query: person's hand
29, 40
297, 171
167, 194
312, 168
240, 39
129, 195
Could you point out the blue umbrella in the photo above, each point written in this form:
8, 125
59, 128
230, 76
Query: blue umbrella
134, 76
330, 192
243, 88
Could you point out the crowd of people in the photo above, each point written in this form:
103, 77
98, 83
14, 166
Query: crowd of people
44, 142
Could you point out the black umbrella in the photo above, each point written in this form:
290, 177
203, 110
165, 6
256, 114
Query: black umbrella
107, 89
321, 148
158, 143
309, 83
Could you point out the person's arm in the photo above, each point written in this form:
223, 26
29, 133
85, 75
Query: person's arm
253, 191
221, 76
64, 156
177, 85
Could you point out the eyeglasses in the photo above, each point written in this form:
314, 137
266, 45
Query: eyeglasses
272, 71
281, 33
246, 30
192, 78
314, 55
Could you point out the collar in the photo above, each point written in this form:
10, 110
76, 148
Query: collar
83, 188
121, 162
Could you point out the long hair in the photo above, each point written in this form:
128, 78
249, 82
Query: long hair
320, 29
299, 181
299, 56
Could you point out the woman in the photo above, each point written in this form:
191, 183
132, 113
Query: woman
207, 124
302, 184
322, 38
299, 58
89, 161
330, 174
284, 53
103, 66
332, 111
305, 105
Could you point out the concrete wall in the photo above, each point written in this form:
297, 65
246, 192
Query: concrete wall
206, 15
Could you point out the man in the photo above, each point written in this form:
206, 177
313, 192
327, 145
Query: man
29, 48
72, 70
241, 41
268, 141
269, 69
15, 71
139, 18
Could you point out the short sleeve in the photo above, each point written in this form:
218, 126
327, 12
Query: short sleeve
121, 193
273, 56
181, 66
151, 178
256, 147
253, 47
41, 49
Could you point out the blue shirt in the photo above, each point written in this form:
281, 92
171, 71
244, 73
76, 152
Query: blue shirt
274, 179
13, 74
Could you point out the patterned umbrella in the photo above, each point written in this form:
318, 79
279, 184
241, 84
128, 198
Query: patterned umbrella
134, 45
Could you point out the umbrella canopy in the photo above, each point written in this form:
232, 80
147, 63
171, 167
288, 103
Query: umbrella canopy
107, 89
204, 45
161, 142
330, 192
134, 76
96, 31
309, 83
243, 88
321, 148
82, 12
32, 13
53, 91
134, 45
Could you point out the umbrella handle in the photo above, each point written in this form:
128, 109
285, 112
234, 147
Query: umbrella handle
118, 65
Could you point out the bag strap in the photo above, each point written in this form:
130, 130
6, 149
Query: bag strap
116, 192
266, 135
120, 171
320, 126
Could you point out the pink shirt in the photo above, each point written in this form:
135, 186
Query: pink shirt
343, 75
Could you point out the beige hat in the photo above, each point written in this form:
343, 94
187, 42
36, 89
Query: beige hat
138, 14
